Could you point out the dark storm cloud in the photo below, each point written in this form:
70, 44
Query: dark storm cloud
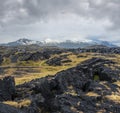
30, 11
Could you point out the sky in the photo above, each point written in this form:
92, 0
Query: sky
60, 20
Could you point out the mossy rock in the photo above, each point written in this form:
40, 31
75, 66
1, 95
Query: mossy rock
96, 77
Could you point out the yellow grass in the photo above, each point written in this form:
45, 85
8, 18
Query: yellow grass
92, 94
20, 104
114, 98
49, 70
44, 69
117, 83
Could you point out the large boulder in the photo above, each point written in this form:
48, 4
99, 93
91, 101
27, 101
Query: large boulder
7, 88
1, 59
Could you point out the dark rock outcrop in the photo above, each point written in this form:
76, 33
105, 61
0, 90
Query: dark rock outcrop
99, 49
30, 56
7, 88
26, 55
58, 61
8, 109
1, 59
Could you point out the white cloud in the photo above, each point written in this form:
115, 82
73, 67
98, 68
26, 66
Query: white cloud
59, 18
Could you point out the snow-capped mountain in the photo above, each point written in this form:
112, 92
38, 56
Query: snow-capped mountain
64, 44
101, 42
23, 41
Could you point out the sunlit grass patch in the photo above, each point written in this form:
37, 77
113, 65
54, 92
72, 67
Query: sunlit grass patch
114, 98
45, 70
117, 83
49, 70
19, 104
92, 94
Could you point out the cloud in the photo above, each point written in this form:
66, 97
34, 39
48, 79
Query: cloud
31, 11
59, 19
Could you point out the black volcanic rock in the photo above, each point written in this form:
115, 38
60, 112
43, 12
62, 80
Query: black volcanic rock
99, 49
58, 61
1, 59
39, 56
33, 56
29, 56
8, 109
66, 91
7, 89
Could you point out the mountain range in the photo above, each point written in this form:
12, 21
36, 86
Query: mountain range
64, 44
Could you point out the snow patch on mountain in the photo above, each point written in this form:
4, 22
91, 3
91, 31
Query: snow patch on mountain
63, 44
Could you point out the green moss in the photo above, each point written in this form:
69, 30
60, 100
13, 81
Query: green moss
96, 77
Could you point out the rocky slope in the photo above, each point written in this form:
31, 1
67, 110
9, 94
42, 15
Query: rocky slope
87, 88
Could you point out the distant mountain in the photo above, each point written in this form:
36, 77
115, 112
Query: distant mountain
71, 44
81, 44
64, 44
104, 43
21, 42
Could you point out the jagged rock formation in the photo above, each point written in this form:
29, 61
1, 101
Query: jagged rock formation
8, 109
58, 61
67, 91
30, 56
7, 89
33, 56
1, 59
